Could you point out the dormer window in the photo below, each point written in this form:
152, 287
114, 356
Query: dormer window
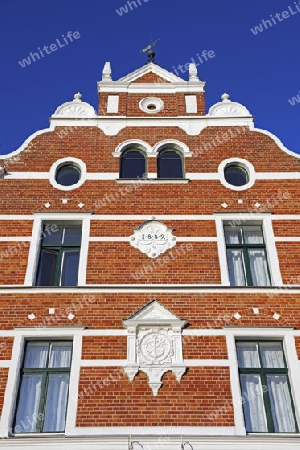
133, 164
169, 164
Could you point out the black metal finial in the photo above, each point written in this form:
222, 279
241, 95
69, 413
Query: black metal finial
149, 50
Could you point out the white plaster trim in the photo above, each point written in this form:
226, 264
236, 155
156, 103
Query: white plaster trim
287, 239
15, 239
157, 102
172, 441
74, 383
293, 370
277, 175
27, 176
5, 363
207, 362
36, 238
105, 332
150, 68
276, 140
172, 143
235, 387
238, 162
155, 431
127, 239
136, 143
146, 288
103, 362
103, 175
60, 163
248, 218
154, 181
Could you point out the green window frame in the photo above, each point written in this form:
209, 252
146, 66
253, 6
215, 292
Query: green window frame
44, 387
266, 392
59, 254
247, 260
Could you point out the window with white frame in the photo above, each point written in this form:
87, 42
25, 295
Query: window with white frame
266, 395
59, 254
44, 386
246, 255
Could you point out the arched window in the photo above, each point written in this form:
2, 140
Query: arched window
169, 164
133, 164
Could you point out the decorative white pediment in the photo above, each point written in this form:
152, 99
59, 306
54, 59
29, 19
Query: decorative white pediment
153, 238
151, 68
227, 108
154, 344
75, 109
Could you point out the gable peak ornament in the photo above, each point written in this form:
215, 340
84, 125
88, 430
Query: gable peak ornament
153, 238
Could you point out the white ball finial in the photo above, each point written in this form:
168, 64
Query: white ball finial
77, 97
225, 98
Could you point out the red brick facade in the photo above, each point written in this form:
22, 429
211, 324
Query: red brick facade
120, 280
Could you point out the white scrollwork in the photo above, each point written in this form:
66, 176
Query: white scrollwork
154, 346
153, 238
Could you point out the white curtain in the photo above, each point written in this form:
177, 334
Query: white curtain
253, 403
28, 407
281, 405
31, 384
271, 355
247, 354
57, 396
236, 267
258, 267
60, 355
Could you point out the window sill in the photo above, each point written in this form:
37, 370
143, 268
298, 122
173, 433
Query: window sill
153, 181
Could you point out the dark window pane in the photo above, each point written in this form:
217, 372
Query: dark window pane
72, 236
67, 175
133, 164
69, 272
47, 266
236, 175
51, 234
169, 164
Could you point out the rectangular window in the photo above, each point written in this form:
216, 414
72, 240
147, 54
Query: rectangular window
267, 401
44, 387
246, 256
59, 255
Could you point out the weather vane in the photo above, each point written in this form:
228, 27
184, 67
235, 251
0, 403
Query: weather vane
149, 50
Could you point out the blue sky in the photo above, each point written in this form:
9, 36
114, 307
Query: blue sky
260, 71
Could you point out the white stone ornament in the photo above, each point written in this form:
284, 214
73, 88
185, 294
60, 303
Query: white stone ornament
154, 344
153, 238
75, 109
227, 108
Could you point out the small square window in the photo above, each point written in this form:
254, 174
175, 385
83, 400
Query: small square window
267, 402
44, 387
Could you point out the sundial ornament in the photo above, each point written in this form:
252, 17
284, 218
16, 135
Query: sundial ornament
153, 238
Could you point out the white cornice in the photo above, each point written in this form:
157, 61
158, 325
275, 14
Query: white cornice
172, 441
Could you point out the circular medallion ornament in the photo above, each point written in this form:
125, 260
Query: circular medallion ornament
155, 347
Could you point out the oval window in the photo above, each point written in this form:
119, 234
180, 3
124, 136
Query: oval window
67, 175
236, 175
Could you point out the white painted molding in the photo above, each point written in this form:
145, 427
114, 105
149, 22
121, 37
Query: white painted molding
75, 109
112, 104
36, 240
155, 102
136, 143
66, 161
246, 165
228, 108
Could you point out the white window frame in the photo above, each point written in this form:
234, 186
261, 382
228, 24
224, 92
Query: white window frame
34, 250
62, 162
244, 164
286, 335
73, 334
263, 219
